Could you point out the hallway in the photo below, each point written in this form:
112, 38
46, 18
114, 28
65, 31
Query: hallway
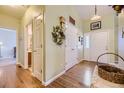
12, 76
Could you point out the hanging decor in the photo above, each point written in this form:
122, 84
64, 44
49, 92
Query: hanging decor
118, 8
58, 31
95, 25
95, 16
71, 20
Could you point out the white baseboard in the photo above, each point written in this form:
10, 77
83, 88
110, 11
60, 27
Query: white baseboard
54, 78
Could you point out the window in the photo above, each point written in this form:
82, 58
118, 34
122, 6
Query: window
87, 42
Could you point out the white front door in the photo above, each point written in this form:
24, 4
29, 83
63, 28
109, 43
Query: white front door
96, 43
37, 48
99, 45
71, 46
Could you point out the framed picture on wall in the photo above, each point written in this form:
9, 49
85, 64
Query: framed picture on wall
95, 25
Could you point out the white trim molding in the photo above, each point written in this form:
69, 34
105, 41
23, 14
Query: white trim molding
52, 79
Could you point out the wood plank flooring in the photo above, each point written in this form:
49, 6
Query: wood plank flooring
77, 77
26, 80
13, 76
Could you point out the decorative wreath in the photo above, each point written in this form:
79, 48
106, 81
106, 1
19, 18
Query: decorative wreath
58, 35
58, 32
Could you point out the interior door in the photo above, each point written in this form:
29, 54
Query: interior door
99, 45
71, 46
37, 47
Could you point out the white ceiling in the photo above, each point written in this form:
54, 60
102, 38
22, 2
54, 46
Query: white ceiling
87, 11
15, 10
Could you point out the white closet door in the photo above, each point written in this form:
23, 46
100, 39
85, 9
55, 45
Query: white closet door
37, 48
71, 46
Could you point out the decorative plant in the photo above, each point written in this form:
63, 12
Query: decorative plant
58, 32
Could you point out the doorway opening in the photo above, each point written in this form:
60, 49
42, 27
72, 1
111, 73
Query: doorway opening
33, 47
28, 45
29, 29
7, 46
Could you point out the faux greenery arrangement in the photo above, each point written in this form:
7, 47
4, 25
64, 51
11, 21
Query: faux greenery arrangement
58, 32
58, 35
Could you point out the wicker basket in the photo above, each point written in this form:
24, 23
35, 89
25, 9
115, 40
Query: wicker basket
110, 72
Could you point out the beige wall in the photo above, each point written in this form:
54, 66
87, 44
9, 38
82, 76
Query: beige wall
7, 21
10, 22
54, 54
107, 22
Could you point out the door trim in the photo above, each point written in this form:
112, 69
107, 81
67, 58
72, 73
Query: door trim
36, 74
26, 45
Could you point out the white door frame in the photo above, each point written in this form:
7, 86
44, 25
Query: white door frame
25, 48
26, 45
42, 38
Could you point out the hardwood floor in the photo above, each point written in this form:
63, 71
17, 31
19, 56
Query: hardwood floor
26, 80
79, 76
13, 76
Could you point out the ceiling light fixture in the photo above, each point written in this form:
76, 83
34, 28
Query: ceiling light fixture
96, 16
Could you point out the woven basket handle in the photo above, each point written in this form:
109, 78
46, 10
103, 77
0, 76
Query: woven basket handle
109, 53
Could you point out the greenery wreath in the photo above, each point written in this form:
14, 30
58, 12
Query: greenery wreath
58, 34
